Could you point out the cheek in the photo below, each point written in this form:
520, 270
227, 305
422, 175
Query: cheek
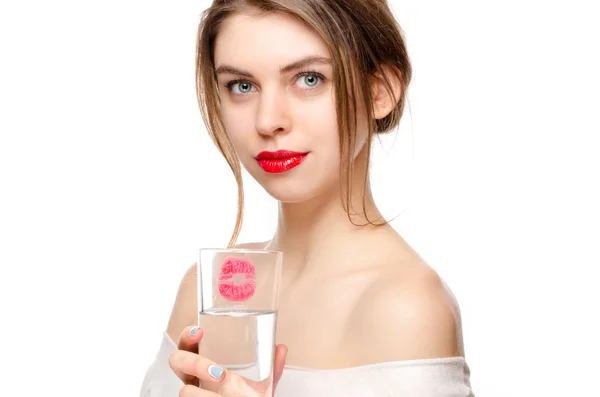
320, 121
237, 126
325, 141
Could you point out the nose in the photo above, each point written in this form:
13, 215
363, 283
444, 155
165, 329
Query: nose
273, 115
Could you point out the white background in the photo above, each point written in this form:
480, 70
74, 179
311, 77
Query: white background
109, 185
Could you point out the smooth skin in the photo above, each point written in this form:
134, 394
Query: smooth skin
350, 295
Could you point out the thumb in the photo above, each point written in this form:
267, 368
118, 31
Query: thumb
189, 339
279, 363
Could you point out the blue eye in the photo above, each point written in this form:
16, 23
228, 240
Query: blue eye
243, 86
313, 76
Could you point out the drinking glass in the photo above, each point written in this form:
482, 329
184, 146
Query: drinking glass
238, 296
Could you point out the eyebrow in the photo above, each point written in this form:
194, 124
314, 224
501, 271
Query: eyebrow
284, 69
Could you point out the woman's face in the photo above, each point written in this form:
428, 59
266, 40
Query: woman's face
267, 107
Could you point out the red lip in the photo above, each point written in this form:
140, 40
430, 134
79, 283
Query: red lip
236, 280
279, 161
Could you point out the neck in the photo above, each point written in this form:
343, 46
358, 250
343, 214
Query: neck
321, 229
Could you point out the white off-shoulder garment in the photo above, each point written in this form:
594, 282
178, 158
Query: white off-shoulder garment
437, 377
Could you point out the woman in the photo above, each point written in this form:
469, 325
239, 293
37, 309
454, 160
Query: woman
360, 312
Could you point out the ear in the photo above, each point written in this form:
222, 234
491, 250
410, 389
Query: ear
383, 103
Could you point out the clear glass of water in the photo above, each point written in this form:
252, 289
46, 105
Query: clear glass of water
238, 296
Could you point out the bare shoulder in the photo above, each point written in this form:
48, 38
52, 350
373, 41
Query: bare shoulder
407, 315
185, 308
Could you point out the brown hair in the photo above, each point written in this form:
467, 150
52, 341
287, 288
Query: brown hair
362, 36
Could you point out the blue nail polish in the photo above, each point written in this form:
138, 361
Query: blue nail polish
215, 371
193, 331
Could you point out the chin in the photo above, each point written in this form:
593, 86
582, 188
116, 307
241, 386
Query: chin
295, 186
285, 193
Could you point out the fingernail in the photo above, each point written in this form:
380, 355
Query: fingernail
215, 371
193, 331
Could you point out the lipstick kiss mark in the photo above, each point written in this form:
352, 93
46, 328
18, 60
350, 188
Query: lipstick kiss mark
236, 280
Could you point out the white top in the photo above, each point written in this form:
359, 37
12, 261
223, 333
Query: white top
436, 377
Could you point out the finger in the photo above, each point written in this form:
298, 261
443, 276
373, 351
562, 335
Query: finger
195, 391
279, 363
189, 339
188, 366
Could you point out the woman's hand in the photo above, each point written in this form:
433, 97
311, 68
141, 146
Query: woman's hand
205, 378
